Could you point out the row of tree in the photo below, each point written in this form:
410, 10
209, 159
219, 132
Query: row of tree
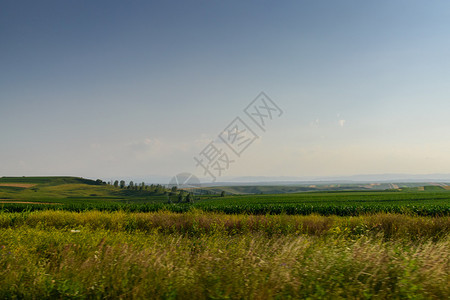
174, 195
156, 188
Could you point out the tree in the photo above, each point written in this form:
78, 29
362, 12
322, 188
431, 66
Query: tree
159, 189
122, 184
116, 183
180, 198
222, 194
189, 198
131, 185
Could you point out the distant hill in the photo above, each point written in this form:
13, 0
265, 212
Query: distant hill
361, 178
50, 180
72, 190
326, 187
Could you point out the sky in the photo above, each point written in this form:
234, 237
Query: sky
137, 89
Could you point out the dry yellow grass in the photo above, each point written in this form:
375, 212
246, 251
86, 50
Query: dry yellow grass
22, 185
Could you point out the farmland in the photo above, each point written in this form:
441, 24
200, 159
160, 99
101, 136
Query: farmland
75, 194
100, 241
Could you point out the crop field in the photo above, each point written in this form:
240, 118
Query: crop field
333, 203
80, 197
99, 241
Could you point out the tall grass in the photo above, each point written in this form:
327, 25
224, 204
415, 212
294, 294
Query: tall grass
197, 222
198, 255
40, 263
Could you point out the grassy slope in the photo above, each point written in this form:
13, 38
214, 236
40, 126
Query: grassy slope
50, 180
70, 190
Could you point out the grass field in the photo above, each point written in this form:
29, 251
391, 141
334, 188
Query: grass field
200, 255
97, 241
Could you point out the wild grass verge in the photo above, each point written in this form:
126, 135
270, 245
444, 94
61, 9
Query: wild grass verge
198, 255
44, 263
198, 222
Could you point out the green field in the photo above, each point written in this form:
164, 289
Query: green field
83, 239
76, 194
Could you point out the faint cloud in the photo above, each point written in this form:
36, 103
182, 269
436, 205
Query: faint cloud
145, 145
314, 123
204, 140
342, 123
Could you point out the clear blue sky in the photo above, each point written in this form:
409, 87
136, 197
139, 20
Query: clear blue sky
138, 88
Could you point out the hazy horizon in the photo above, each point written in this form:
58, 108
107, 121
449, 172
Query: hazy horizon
109, 89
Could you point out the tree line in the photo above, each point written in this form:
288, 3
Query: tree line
174, 195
